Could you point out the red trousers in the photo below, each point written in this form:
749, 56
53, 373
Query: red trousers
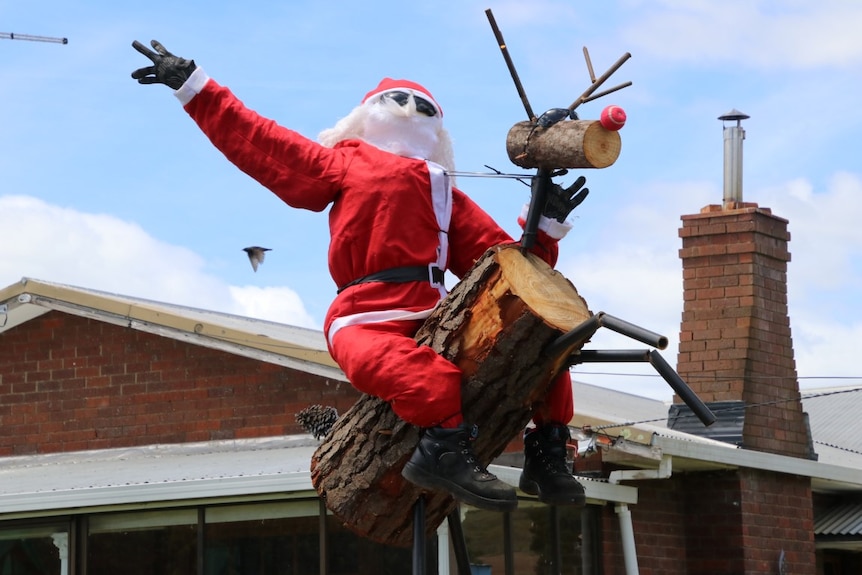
423, 388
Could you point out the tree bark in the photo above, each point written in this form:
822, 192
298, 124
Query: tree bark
494, 325
566, 144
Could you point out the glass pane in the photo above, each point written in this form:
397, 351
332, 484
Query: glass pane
281, 542
41, 552
350, 554
532, 540
147, 543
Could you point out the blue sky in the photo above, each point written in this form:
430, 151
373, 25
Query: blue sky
107, 184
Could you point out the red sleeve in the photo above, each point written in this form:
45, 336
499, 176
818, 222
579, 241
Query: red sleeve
301, 172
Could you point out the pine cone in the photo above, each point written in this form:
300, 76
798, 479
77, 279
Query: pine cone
317, 419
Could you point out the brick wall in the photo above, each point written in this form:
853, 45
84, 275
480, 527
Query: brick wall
713, 523
71, 383
777, 517
660, 529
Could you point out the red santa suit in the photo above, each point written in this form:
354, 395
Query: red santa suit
386, 211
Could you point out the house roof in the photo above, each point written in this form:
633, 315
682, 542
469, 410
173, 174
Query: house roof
183, 474
639, 424
836, 427
136, 476
272, 342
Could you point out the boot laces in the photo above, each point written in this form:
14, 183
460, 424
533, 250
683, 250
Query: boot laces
557, 465
466, 445
554, 460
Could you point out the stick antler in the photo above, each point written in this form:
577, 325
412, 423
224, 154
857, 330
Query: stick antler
511, 65
588, 95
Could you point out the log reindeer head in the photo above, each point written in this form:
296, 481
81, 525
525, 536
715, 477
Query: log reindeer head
558, 139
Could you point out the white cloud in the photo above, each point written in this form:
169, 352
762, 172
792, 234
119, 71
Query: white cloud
280, 304
826, 352
103, 252
751, 33
641, 281
825, 245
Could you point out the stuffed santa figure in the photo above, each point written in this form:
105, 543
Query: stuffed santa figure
397, 224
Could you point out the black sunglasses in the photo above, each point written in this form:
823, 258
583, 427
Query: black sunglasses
423, 106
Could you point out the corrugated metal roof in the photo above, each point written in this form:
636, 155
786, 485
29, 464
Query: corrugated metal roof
842, 520
729, 421
836, 426
182, 473
155, 473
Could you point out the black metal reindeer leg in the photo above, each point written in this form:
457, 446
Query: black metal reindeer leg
539, 190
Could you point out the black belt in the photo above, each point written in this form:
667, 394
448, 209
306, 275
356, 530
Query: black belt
430, 273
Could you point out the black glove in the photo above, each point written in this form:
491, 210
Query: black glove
166, 69
561, 202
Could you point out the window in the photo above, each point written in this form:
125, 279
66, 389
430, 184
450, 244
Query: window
353, 555
273, 538
143, 543
542, 536
279, 538
35, 550
283, 537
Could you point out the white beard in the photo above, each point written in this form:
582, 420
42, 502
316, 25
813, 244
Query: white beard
401, 130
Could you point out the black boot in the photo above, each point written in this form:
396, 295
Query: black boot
444, 460
546, 473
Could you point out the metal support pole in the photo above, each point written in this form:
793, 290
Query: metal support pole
508, 546
419, 552
323, 534
459, 544
556, 553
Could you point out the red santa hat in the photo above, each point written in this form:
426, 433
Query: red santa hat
391, 85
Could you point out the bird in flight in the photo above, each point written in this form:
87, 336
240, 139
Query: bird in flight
255, 255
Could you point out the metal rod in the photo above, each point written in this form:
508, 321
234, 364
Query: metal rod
460, 174
580, 332
539, 197
609, 356
32, 38
502, 43
459, 544
600, 80
419, 537
698, 407
631, 330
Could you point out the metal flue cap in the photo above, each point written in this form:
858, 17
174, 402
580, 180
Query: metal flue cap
734, 114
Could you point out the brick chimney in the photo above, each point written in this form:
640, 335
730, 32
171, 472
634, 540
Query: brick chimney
735, 346
736, 353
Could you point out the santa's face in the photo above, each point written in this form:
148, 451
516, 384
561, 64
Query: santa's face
402, 123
